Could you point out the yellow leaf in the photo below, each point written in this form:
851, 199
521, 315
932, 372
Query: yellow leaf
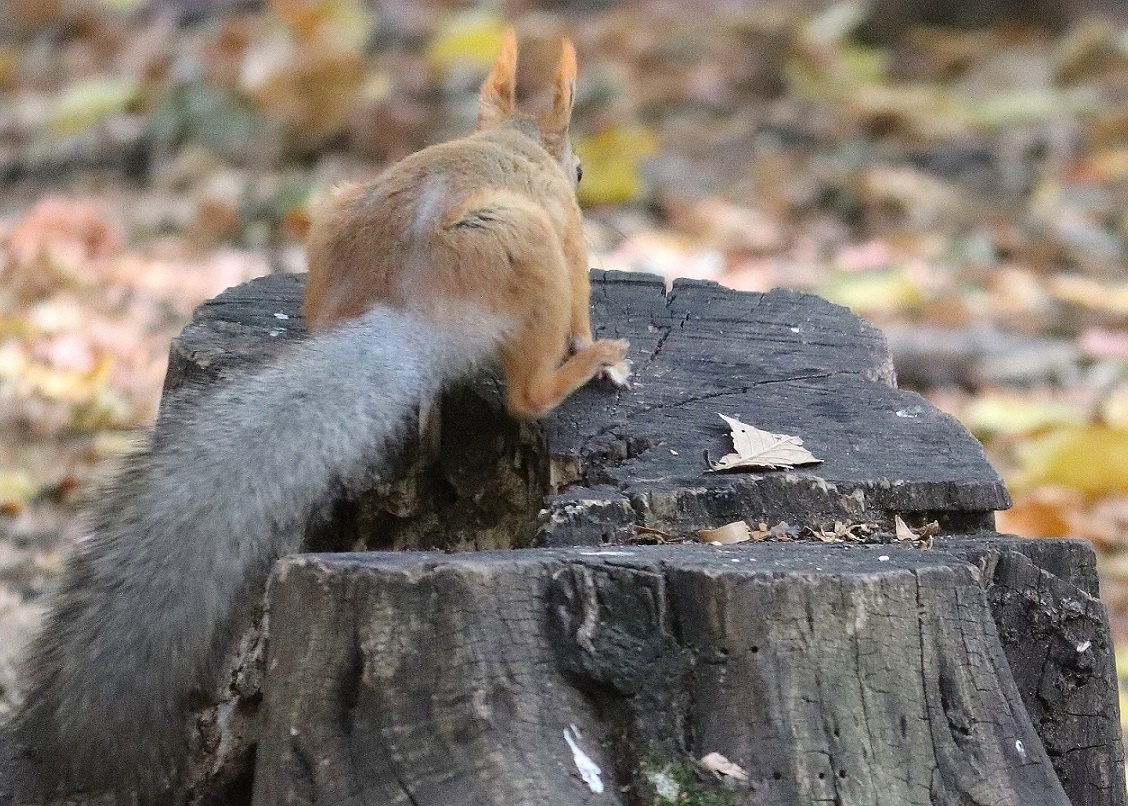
1092, 459
1012, 414
873, 292
89, 102
9, 63
863, 65
16, 489
610, 161
1090, 293
1018, 108
469, 39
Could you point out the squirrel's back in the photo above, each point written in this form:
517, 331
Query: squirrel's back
400, 239
446, 225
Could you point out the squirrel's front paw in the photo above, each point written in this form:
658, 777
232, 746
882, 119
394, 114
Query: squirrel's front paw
618, 374
616, 366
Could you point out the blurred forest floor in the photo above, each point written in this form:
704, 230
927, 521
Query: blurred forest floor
966, 189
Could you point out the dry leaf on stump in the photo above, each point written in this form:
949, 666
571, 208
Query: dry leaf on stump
762, 450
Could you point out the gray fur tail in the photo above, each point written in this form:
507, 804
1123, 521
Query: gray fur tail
143, 616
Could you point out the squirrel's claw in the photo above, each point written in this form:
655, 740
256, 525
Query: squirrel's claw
618, 374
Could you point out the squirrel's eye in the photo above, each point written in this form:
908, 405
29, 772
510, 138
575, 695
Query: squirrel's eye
579, 171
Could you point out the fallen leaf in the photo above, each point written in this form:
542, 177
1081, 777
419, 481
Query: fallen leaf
842, 532
611, 160
826, 535
715, 762
469, 39
89, 102
1108, 297
643, 534
880, 292
1041, 512
903, 530
1019, 108
735, 532
920, 536
60, 242
346, 23
761, 532
310, 87
1092, 459
760, 450
1106, 165
1085, 51
16, 489
1017, 413
732, 227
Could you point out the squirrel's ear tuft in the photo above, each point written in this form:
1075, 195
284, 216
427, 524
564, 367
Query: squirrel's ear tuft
564, 93
498, 99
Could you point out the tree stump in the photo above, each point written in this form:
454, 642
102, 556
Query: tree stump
975, 671
826, 676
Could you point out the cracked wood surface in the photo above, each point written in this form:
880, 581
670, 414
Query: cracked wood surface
784, 361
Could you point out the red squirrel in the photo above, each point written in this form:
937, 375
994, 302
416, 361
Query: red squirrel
462, 252
485, 227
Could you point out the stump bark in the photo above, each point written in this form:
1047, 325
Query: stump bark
827, 677
976, 671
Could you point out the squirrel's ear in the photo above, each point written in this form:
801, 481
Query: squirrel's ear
564, 93
498, 99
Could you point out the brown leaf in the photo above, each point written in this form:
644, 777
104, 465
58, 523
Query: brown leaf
735, 532
903, 530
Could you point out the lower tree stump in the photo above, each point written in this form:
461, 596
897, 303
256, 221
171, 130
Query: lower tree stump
977, 671
828, 675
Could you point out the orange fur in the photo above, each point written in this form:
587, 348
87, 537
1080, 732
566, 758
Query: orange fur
484, 231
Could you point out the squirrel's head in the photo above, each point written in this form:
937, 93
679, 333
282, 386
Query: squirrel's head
497, 105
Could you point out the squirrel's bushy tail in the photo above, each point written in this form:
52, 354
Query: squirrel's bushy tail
192, 526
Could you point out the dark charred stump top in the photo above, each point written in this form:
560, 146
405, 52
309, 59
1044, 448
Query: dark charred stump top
783, 361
